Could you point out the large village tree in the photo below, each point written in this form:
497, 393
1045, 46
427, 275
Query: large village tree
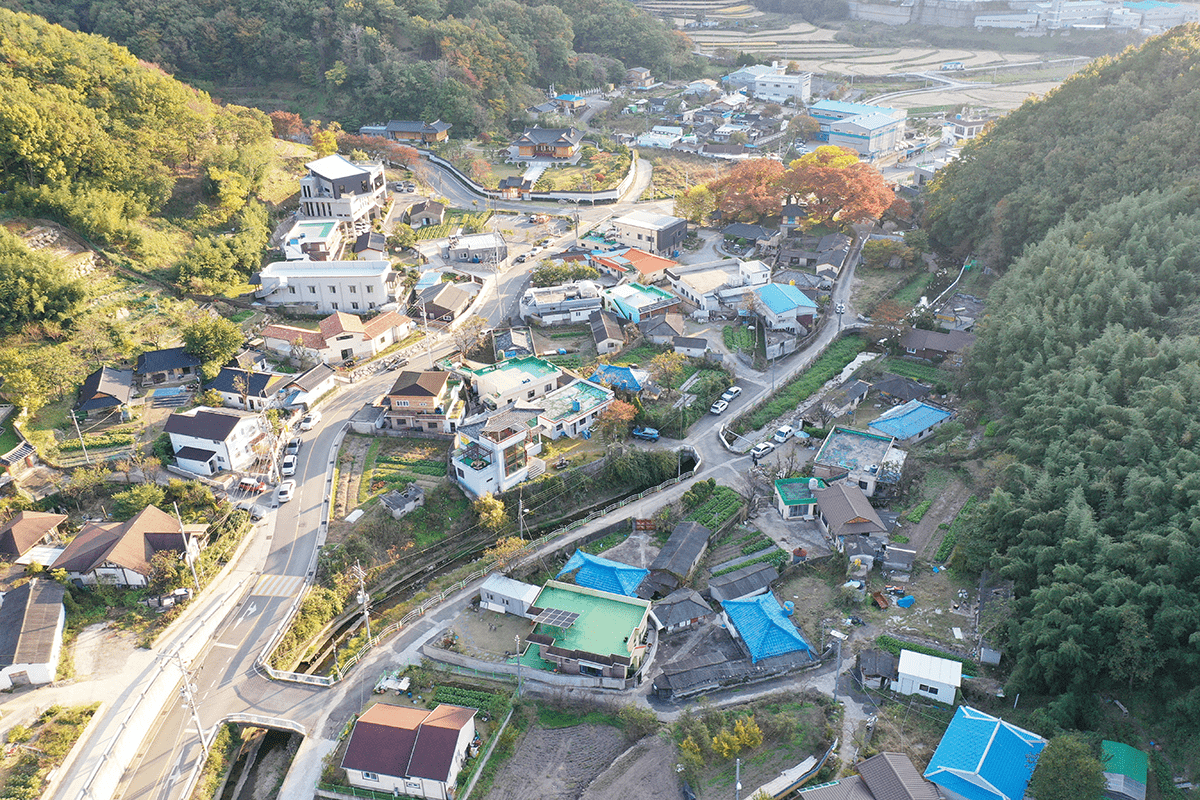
751, 190
836, 187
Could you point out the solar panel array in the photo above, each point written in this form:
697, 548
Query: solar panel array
557, 618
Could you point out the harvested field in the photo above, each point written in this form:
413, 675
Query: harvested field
645, 770
557, 764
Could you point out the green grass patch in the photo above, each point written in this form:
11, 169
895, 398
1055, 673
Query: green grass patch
50, 737
639, 355
8, 437
831, 362
241, 316
718, 509
364, 484
608, 542
738, 337
911, 292
551, 718
222, 753
894, 646
956, 529
917, 512
926, 373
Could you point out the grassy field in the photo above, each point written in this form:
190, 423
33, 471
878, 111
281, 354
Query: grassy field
926, 373
839, 354
674, 174
911, 292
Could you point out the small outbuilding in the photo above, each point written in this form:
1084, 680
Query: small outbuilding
507, 596
400, 503
31, 626
680, 609
1125, 771
742, 583
928, 676
679, 556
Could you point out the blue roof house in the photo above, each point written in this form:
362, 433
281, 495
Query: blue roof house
982, 757
911, 421
785, 307
594, 572
619, 377
763, 627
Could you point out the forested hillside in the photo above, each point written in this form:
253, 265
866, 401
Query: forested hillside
1121, 126
1090, 357
124, 155
469, 62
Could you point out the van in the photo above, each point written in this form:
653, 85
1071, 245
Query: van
783, 434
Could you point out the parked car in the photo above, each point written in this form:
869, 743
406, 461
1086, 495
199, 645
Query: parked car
731, 393
719, 406
783, 434
521, 258
649, 434
762, 449
251, 484
287, 490
311, 421
293, 447
289, 466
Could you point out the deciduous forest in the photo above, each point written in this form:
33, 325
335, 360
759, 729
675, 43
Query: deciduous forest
469, 62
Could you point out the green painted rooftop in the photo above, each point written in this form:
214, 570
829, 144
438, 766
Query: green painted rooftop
795, 491
1121, 759
559, 404
602, 627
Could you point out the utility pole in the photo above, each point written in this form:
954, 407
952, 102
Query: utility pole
737, 780
840, 638
363, 598
188, 692
428, 346
517, 642
86, 457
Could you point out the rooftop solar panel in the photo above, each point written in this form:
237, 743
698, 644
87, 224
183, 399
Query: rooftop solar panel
557, 618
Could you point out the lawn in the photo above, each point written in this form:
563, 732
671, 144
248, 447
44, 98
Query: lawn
833, 361
926, 373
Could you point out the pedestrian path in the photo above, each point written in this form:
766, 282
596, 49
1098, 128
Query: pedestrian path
277, 585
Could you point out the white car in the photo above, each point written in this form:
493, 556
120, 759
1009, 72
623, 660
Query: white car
841, 308
311, 421
762, 449
719, 406
783, 434
731, 393
289, 466
287, 490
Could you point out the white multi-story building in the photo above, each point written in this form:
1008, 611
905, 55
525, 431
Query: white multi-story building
512, 380
209, 440
356, 287
783, 88
571, 303
337, 188
499, 452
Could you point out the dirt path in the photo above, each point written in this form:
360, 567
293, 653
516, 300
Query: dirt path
558, 764
924, 537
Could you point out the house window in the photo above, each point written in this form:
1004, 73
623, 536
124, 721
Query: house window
312, 290
334, 306
353, 290
370, 290
400, 403
370, 776
354, 306
460, 473
928, 689
531, 393
370, 305
333, 290
291, 290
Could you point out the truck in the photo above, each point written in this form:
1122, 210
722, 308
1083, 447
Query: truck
953, 66
649, 434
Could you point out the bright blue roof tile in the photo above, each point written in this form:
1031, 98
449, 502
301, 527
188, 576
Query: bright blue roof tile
764, 627
600, 573
783, 297
982, 757
909, 419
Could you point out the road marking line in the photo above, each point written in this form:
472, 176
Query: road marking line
222, 644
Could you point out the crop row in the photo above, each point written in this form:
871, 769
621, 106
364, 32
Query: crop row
956, 528
97, 441
776, 559
723, 504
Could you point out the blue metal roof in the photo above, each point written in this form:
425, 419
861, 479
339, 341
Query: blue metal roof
982, 757
431, 278
908, 420
783, 297
600, 573
842, 107
763, 626
616, 377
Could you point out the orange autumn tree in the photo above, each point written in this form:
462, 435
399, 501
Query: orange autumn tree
837, 187
614, 423
751, 190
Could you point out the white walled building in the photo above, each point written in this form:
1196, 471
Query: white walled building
337, 188
324, 287
929, 676
781, 89
207, 440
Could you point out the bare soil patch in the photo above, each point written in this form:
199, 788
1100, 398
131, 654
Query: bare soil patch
558, 764
645, 770
101, 650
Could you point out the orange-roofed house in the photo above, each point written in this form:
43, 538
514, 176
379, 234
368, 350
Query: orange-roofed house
637, 264
409, 751
339, 336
